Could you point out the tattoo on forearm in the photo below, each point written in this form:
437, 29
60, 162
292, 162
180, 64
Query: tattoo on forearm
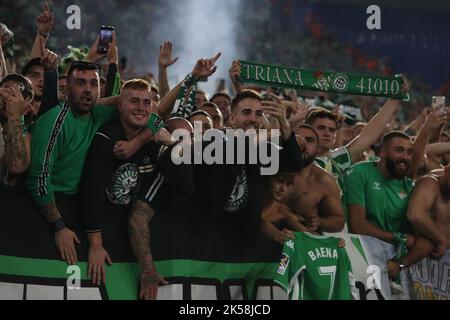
15, 151
139, 232
50, 212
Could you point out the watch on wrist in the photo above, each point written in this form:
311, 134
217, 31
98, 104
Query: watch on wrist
58, 225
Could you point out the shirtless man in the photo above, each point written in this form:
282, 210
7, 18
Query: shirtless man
428, 212
312, 197
314, 194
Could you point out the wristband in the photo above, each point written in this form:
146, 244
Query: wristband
58, 225
155, 123
45, 35
190, 80
400, 238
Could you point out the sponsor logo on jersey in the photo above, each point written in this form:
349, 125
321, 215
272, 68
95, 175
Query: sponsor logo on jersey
290, 244
376, 186
283, 264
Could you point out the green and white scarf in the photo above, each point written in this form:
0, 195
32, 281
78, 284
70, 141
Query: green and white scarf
185, 103
336, 82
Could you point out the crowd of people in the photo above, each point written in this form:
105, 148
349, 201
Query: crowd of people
84, 142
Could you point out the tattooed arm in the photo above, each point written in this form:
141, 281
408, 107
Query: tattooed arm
139, 230
17, 155
64, 238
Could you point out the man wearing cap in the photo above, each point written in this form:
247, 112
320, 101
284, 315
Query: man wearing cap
16, 94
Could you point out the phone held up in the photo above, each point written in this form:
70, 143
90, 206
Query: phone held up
438, 103
105, 39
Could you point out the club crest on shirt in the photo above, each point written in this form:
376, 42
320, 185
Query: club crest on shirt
239, 196
402, 195
122, 184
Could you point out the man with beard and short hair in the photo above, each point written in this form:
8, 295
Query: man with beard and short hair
378, 192
59, 144
338, 161
315, 195
312, 203
60, 141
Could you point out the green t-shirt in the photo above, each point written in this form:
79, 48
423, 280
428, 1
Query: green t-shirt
59, 144
314, 268
385, 200
336, 163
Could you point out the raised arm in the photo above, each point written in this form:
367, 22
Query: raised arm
166, 104
44, 23
3, 67
432, 124
113, 62
50, 88
17, 155
203, 68
165, 60
414, 127
375, 127
235, 73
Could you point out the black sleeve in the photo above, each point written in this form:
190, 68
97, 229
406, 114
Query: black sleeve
111, 79
291, 157
170, 185
97, 167
50, 92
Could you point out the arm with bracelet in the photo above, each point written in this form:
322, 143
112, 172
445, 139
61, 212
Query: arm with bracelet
44, 23
45, 149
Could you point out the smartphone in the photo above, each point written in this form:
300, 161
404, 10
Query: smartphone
438, 102
105, 39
